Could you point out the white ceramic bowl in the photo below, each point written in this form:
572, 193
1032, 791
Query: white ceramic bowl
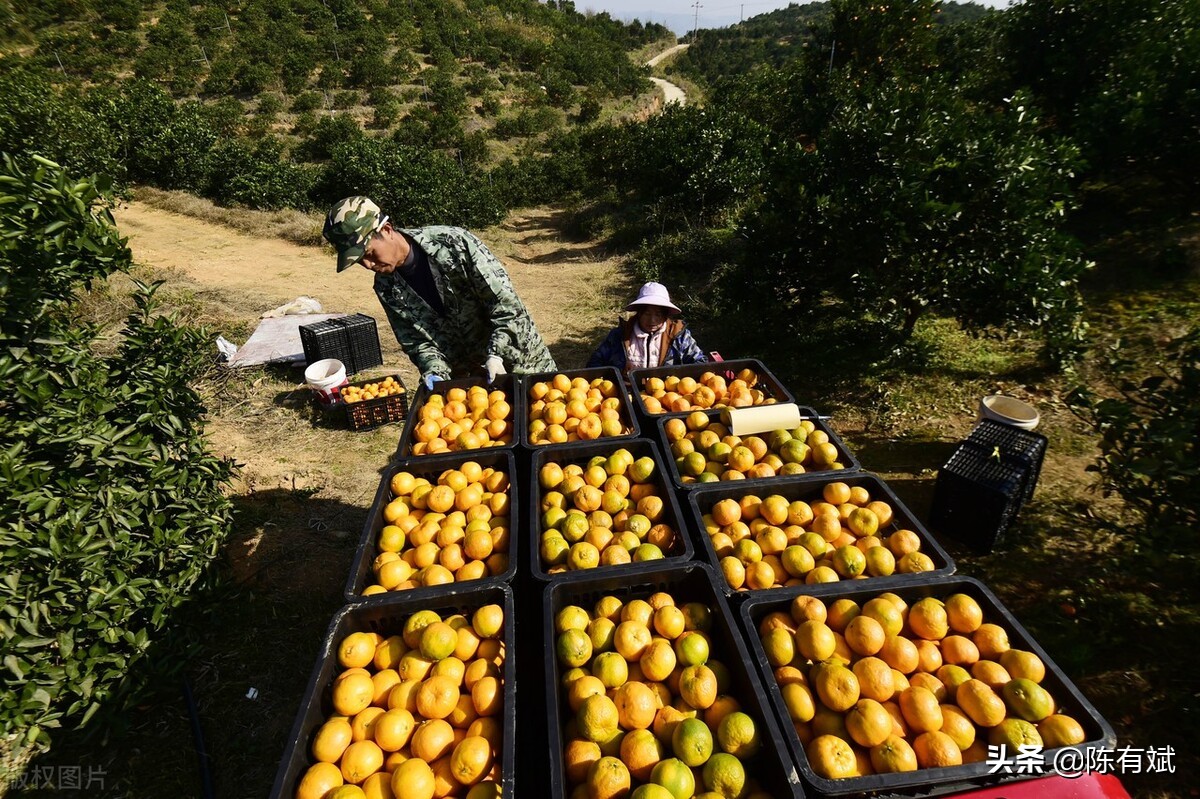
1009, 410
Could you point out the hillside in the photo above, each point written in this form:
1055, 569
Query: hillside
477, 78
775, 38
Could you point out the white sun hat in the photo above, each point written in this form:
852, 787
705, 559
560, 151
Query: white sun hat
652, 294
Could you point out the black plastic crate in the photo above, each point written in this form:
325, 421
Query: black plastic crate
845, 456
431, 467
688, 582
802, 487
770, 385
925, 782
506, 383
1024, 446
977, 496
387, 618
352, 339
371, 413
580, 453
628, 419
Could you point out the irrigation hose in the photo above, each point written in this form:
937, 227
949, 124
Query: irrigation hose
206, 782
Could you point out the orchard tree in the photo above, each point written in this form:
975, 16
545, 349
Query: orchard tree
113, 509
1118, 75
890, 195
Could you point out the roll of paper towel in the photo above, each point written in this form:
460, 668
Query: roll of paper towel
762, 418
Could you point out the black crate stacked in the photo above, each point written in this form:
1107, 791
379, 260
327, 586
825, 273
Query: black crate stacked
983, 485
352, 339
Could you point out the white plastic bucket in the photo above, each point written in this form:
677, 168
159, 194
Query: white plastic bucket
326, 377
1009, 410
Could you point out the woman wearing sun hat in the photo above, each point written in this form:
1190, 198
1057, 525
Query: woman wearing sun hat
650, 337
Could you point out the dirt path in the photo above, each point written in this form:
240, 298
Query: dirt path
671, 92
560, 280
572, 288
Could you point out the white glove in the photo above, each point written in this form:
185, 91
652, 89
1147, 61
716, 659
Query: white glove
494, 366
430, 379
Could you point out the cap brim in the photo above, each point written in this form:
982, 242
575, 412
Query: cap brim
635, 305
349, 257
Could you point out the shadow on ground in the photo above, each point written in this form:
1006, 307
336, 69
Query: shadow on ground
282, 579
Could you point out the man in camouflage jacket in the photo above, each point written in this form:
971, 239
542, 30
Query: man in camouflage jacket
448, 298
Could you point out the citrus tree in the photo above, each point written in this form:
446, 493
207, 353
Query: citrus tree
111, 506
1148, 428
891, 193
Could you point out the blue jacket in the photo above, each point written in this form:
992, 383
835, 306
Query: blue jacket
678, 347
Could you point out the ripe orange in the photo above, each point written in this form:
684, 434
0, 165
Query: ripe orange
1021, 663
936, 750
698, 686
352, 693
836, 685
471, 760
637, 704
893, 755
921, 710
393, 729
983, 705
868, 723
608, 779
1060, 730
319, 780
432, 740
874, 678
831, 757
331, 740
641, 752
815, 640
963, 613
578, 757
360, 760
992, 640
437, 697
865, 636
413, 778
958, 726
958, 650
900, 653
927, 618
357, 650
487, 695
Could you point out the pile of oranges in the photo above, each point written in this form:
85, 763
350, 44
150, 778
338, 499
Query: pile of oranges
606, 512
575, 409
892, 687
673, 394
651, 710
706, 451
771, 542
417, 714
451, 530
462, 419
368, 391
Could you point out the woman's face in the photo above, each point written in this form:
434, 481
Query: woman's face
651, 318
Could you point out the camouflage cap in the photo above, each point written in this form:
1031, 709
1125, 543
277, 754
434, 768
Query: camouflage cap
349, 225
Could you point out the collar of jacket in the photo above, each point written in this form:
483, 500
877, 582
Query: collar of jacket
670, 331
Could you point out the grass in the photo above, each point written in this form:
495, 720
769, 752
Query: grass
1119, 618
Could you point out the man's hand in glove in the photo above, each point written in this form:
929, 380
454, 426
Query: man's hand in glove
430, 379
495, 367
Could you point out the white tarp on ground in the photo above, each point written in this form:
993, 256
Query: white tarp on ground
277, 340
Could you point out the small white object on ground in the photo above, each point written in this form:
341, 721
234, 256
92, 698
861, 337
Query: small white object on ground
298, 306
226, 347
